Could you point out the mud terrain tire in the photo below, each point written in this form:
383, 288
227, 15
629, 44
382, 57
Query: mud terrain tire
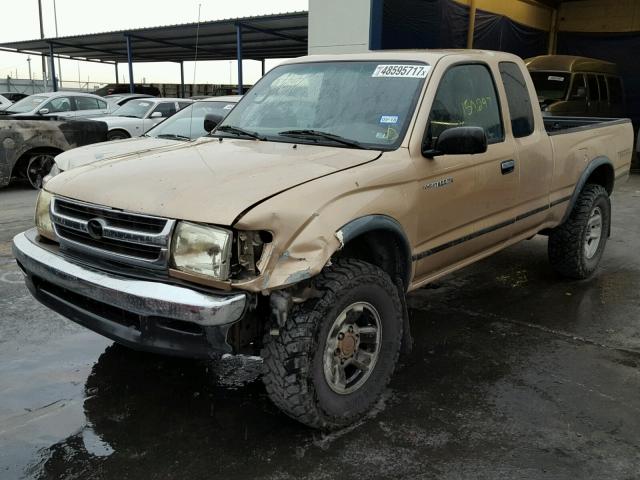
295, 359
570, 252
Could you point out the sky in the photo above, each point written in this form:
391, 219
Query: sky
91, 16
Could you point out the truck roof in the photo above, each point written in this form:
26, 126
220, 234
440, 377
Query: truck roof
417, 55
570, 63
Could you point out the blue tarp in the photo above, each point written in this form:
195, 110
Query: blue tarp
444, 24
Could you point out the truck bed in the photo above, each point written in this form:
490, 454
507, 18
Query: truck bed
560, 125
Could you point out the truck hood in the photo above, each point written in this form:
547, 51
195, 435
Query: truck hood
207, 181
78, 157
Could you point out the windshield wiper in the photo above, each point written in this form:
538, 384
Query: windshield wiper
315, 134
173, 135
239, 131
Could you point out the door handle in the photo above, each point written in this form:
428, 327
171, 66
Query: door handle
507, 166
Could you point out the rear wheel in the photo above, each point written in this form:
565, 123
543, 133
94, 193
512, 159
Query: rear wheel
576, 246
39, 167
117, 135
335, 355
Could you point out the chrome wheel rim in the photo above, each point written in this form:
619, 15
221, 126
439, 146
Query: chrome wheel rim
39, 166
352, 347
593, 233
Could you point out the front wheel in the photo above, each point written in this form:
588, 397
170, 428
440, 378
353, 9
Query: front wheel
39, 167
335, 355
576, 246
117, 135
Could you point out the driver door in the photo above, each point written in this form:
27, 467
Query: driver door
465, 201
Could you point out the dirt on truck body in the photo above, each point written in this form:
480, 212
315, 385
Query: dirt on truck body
336, 185
28, 146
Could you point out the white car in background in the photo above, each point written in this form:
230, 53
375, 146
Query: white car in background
186, 125
5, 102
136, 117
60, 104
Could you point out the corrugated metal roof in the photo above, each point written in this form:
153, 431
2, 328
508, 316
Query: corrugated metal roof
280, 35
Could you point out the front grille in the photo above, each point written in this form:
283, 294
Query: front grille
106, 233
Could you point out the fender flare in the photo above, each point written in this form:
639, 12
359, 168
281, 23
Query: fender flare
369, 223
591, 167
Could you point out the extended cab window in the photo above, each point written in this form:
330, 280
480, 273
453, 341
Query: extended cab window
518, 99
466, 97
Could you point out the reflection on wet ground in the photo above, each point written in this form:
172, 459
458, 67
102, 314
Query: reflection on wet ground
515, 374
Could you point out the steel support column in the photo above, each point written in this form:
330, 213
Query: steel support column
52, 67
472, 23
116, 65
262, 62
181, 78
130, 62
239, 57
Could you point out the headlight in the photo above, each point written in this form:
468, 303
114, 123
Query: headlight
202, 250
43, 220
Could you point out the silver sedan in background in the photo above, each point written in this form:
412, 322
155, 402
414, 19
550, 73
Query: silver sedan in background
61, 104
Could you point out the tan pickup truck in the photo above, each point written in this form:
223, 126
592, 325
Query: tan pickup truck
337, 185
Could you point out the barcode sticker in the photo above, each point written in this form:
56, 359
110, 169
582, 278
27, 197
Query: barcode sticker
403, 71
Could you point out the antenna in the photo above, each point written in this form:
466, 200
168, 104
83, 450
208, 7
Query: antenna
195, 64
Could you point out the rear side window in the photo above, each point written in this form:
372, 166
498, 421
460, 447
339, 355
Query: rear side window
593, 87
102, 104
603, 89
518, 99
86, 103
615, 89
466, 97
182, 105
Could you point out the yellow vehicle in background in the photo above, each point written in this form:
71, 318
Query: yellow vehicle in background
577, 86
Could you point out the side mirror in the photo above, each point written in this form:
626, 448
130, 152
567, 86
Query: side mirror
43, 111
581, 94
458, 141
156, 115
211, 121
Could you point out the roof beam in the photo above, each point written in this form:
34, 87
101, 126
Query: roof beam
272, 32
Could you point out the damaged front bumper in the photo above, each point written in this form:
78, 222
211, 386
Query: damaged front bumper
144, 315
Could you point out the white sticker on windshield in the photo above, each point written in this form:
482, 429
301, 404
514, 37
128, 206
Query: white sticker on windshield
389, 119
228, 107
555, 78
404, 71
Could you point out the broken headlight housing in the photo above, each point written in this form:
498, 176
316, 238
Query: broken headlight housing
202, 250
43, 219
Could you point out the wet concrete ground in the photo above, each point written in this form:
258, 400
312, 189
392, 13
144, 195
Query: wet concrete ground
515, 374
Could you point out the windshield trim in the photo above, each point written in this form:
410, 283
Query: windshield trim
402, 134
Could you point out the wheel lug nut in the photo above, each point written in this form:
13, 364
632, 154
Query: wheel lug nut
340, 336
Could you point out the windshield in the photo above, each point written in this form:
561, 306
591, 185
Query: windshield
134, 108
368, 104
27, 104
188, 123
551, 85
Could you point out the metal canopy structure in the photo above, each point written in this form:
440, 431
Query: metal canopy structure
257, 38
